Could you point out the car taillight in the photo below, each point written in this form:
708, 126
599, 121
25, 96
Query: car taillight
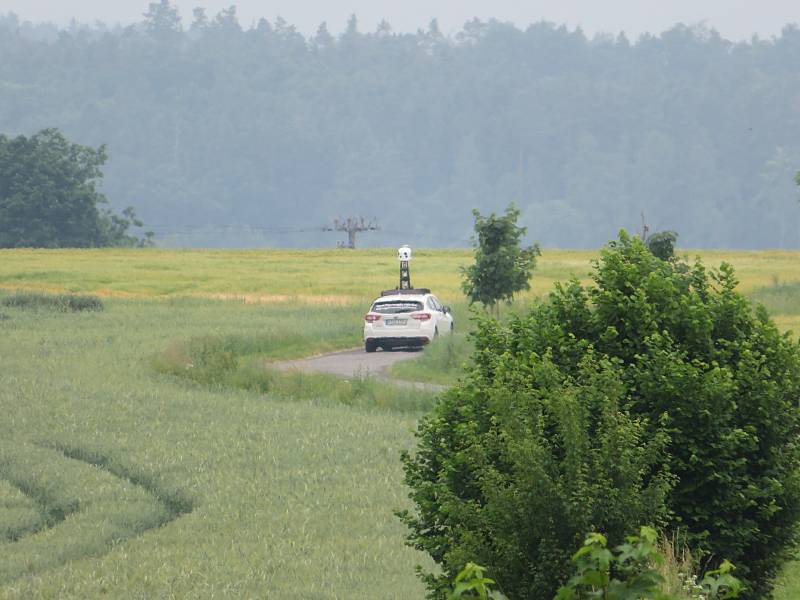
370, 318
421, 316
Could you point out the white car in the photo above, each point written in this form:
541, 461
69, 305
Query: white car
405, 318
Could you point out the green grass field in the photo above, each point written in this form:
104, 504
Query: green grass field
119, 479
121, 482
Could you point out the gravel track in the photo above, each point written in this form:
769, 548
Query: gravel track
357, 363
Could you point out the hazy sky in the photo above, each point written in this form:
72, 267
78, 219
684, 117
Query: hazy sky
734, 19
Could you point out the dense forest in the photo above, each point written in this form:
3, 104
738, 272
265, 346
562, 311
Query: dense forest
223, 134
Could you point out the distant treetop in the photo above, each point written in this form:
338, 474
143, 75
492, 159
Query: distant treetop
49, 196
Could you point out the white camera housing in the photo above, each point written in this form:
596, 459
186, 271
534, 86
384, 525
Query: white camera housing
404, 254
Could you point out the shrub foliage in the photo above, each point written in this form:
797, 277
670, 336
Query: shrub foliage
631, 571
656, 395
58, 302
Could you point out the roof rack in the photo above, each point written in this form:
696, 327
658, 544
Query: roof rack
398, 292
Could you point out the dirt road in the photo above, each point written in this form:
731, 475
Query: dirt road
355, 363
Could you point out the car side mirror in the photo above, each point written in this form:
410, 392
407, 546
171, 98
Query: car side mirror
445, 309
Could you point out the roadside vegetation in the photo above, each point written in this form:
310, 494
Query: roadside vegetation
442, 363
227, 362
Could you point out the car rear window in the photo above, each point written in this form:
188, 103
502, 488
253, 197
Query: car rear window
393, 307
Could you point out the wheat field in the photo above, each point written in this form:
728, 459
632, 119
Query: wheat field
119, 480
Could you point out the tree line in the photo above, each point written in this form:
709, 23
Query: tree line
211, 125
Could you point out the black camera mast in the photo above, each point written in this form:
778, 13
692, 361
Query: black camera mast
404, 256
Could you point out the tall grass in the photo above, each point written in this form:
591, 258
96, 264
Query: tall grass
444, 360
788, 584
779, 298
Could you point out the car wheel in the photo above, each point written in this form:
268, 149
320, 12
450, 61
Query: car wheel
436, 332
452, 325
370, 346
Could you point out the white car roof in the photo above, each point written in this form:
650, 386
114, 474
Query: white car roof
401, 297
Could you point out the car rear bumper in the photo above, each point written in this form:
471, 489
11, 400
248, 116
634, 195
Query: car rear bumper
399, 341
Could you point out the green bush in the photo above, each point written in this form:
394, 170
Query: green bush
59, 302
511, 478
656, 395
662, 244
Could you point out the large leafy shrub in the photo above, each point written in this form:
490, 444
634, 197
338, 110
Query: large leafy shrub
513, 468
656, 395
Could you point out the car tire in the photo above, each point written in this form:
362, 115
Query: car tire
436, 332
370, 346
452, 325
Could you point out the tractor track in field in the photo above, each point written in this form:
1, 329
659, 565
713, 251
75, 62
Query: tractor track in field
357, 363
104, 529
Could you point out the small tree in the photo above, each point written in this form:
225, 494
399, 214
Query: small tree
661, 243
502, 267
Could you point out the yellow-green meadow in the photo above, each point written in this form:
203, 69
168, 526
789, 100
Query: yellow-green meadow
340, 275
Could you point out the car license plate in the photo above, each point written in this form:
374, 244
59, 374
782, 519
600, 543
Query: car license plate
390, 322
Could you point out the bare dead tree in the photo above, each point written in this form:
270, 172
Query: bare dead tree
353, 225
